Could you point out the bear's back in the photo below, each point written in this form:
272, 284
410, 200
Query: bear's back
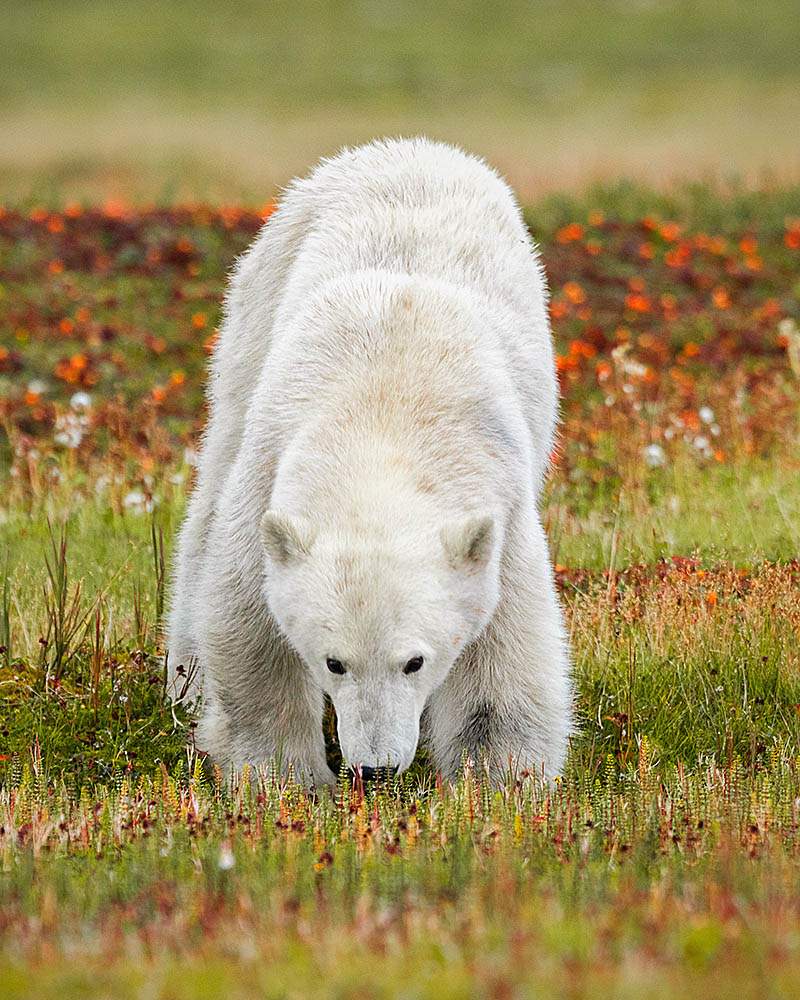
415, 211
411, 206
372, 218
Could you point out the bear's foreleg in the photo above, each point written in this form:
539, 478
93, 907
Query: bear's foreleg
509, 696
260, 702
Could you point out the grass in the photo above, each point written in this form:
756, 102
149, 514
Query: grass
202, 101
663, 862
663, 883
309, 55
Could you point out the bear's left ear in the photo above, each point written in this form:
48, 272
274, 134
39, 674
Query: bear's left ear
286, 539
470, 542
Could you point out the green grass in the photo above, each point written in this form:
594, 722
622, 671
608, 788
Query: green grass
743, 513
377, 55
740, 514
228, 101
693, 678
665, 883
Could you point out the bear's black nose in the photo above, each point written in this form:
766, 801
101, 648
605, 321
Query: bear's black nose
374, 773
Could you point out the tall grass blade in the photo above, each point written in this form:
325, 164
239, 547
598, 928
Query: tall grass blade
5, 616
65, 615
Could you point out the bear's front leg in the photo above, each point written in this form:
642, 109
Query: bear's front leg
509, 695
288, 732
259, 701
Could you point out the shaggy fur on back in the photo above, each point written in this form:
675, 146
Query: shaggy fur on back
382, 407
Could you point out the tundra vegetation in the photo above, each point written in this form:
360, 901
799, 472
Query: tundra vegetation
664, 861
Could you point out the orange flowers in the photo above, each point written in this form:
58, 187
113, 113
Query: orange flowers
230, 215
117, 208
646, 286
568, 362
690, 419
574, 231
720, 298
748, 245
582, 348
574, 292
638, 302
679, 256
73, 369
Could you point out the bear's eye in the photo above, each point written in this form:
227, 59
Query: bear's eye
335, 666
413, 665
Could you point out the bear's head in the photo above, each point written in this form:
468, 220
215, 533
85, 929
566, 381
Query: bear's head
380, 623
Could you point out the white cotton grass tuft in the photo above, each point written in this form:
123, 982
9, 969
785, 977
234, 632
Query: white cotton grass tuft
225, 860
140, 503
703, 445
654, 455
80, 400
71, 429
706, 414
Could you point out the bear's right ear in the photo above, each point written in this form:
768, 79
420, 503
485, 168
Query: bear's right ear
286, 539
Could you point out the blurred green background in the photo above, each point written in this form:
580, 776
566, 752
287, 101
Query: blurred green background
196, 98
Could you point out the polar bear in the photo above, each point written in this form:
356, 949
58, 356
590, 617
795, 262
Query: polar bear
364, 523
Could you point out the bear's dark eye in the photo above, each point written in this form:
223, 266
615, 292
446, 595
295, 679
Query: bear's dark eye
413, 665
335, 666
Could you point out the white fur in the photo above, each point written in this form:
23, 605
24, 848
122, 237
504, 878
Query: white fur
384, 386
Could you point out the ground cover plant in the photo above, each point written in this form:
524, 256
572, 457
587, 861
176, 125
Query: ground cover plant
666, 860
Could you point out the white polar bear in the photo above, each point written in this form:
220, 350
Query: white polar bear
382, 407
